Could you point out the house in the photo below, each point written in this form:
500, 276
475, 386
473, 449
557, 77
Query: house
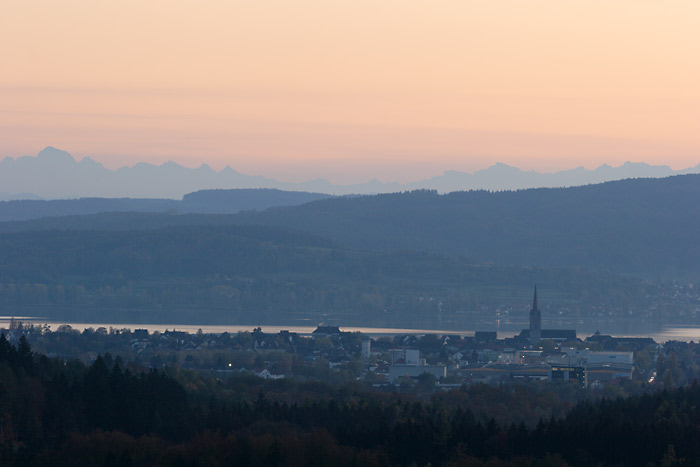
265, 374
327, 331
608, 342
485, 336
558, 335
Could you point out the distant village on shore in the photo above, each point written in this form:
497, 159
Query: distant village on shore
445, 361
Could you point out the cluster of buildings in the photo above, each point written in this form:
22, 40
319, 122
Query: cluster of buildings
449, 360
485, 358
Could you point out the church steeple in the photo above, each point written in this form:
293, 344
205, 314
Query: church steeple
534, 300
535, 321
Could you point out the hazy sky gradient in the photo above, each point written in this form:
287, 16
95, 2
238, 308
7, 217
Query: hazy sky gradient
351, 90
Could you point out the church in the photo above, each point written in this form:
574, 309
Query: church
536, 333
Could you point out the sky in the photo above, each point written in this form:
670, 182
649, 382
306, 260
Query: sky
353, 90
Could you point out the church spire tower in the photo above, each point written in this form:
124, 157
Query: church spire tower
535, 321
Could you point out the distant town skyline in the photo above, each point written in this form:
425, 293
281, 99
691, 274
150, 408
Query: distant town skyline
350, 91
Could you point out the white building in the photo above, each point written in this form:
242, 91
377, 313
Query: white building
404, 357
590, 356
366, 349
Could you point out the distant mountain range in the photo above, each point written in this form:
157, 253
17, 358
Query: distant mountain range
55, 174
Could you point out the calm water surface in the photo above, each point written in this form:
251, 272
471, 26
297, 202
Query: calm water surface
462, 326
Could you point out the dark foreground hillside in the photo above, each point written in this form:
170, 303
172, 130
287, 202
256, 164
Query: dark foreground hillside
62, 413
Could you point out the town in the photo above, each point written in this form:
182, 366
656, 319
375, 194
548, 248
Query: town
409, 363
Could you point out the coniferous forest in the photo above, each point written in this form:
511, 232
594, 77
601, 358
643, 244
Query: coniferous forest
63, 413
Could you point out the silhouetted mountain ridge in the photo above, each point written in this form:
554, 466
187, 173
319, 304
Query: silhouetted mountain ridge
54, 174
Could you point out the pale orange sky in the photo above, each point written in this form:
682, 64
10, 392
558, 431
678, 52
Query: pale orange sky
350, 90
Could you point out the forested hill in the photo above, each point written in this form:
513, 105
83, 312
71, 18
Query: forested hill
648, 227
225, 269
645, 227
204, 201
116, 221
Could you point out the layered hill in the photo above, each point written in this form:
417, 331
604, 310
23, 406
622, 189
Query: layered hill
205, 272
414, 253
203, 202
644, 227
647, 227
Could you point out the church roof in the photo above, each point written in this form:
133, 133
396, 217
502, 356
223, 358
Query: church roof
554, 334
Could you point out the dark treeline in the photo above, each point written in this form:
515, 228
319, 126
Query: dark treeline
258, 268
62, 413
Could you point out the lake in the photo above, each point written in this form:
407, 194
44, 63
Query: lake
465, 326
